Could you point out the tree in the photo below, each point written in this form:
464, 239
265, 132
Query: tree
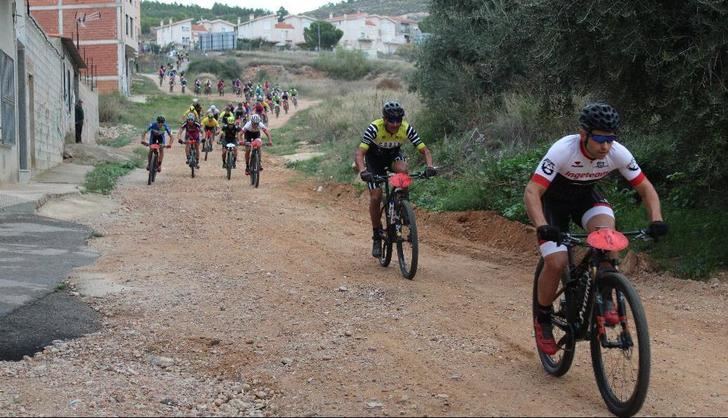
327, 38
282, 13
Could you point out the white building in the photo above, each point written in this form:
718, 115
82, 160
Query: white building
178, 33
289, 32
217, 25
370, 33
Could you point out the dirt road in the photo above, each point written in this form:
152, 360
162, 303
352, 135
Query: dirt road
221, 299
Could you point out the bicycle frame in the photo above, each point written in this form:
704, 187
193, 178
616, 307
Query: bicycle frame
581, 279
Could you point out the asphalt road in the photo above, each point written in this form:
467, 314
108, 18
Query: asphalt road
36, 254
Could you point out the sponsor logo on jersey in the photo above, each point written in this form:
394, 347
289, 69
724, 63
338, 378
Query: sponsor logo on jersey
601, 164
577, 164
585, 176
633, 165
547, 166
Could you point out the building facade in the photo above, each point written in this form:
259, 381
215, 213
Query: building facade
288, 32
108, 32
371, 34
9, 155
178, 33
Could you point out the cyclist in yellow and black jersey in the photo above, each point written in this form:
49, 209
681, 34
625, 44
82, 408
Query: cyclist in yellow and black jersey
378, 151
210, 124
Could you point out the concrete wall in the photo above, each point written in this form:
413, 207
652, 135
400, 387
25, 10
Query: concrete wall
45, 70
8, 146
90, 112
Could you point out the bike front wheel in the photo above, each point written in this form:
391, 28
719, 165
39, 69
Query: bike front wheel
229, 163
406, 236
255, 168
386, 254
621, 352
152, 168
559, 363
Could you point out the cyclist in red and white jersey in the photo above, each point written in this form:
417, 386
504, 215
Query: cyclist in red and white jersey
562, 189
251, 132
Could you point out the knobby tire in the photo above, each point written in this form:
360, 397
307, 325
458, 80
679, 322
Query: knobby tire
152, 169
636, 327
229, 163
409, 235
255, 168
560, 363
386, 256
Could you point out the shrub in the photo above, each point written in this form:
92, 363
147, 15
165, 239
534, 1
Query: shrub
345, 64
230, 68
110, 107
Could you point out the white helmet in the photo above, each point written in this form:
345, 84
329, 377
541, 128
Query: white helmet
213, 108
255, 119
195, 101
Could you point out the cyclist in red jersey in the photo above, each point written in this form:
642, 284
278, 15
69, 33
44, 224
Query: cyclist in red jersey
192, 132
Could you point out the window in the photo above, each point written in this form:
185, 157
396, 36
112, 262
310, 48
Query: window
7, 99
131, 25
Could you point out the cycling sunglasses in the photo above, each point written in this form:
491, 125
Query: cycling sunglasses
604, 138
393, 120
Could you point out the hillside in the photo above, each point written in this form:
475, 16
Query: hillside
380, 7
152, 12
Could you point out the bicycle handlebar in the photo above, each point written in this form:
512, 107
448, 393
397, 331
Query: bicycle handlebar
570, 239
414, 175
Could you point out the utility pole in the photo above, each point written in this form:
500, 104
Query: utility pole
318, 26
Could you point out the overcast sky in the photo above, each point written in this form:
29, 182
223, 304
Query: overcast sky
293, 7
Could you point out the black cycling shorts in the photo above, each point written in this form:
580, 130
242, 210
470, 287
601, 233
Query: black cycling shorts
560, 212
379, 160
251, 135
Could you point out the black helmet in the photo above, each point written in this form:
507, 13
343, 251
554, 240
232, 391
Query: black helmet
160, 119
599, 116
392, 110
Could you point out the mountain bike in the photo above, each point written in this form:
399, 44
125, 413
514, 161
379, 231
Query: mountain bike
285, 106
620, 347
398, 218
207, 146
198, 88
277, 109
184, 85
152, 162
208, 90
229, 158
171, 85
192, 158
295, 101
221, 90
254, 163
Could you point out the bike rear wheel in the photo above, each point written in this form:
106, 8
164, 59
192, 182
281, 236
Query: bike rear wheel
386, 255
622, 379
255, 168
407, 244
152, 168
560, 363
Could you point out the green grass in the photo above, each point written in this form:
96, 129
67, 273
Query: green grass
102, 179
143, 85
120, 141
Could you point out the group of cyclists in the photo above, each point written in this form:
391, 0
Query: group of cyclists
239, 124
561, 190
171, 73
